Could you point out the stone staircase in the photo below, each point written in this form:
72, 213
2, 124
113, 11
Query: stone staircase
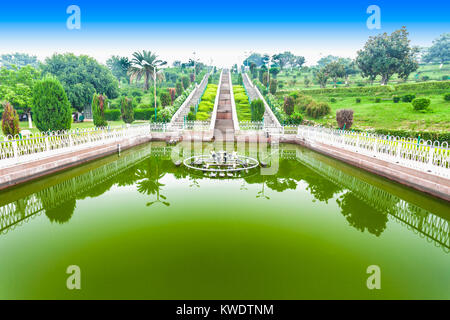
224, 128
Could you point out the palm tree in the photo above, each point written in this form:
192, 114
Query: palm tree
145, 64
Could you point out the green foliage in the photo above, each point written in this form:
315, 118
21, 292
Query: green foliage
185, 81
344, 118
191, 116
16, 86
98, 110
165, 98
396, 99
166, 114
126, 109
242, 103
145, 65
289, 104
440, 50
144, 114
377, 100
81, 77
112, 115
447, 97
257, 110
421, 103
332, 100
273, 86
119, 67
386, 55
10, 120
179, 88
424, 135
51, 107
18, 60
358, 100
296, 118
408, 97
317, 110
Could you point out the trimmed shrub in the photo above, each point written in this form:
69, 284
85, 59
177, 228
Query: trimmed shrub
447, 97
303, 101
112, 115
10, 120
408, 97
396, 99
51, 107
421, 103
179, 88
165, 98
144, 113
445, 78
344, 118
296, 118
377, 100
358, 100
257, 109
317, 110
126, 109
425, 78
185, 82
333, 100
98, 110
173, 94
273, 86
288, 105
166, 114
191, 116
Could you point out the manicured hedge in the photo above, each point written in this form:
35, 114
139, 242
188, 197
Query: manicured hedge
145, 114
413, 87
112, 115
424, 135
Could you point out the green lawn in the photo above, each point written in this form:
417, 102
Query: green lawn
242, 103
386, 114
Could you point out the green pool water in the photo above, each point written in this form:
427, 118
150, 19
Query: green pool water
139, 227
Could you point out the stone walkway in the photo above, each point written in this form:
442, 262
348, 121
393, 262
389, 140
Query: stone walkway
224, 128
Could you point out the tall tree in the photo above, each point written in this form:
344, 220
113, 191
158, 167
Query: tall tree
386, 55
326, 60
440, 50
335, 70
19, 60
283, 59
16, 86
81, 77
119, 67
146, 64
322, 76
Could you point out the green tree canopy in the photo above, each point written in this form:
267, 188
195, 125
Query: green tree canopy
19, 60
81, 77
119, 67
440, 50
16, 86
386, 55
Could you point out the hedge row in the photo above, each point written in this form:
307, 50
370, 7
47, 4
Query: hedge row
145, 114
424, 135
112, 115
415, 87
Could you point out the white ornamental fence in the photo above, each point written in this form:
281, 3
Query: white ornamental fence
17, 149
423, 155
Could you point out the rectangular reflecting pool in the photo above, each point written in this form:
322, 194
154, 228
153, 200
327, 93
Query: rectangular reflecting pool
141, 226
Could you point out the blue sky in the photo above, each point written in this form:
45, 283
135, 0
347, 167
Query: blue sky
217, 31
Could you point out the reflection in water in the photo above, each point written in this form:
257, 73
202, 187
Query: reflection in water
365, 206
